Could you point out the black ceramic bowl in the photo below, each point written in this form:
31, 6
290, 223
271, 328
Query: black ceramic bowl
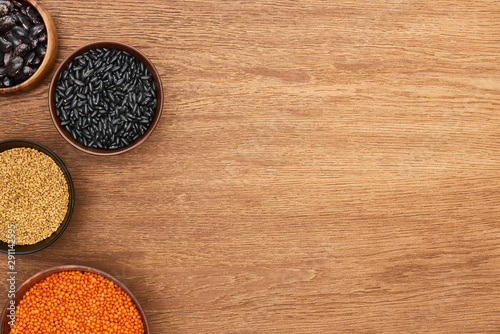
27, 249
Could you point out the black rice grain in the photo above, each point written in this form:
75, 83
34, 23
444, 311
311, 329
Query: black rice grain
106, 98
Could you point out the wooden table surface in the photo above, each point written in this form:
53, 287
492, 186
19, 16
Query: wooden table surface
321, 166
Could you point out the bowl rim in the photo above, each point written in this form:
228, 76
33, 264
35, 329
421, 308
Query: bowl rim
49, 58
41, 275
106, 44
70, 186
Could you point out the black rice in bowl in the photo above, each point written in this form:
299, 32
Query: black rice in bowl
23, 42
105, 98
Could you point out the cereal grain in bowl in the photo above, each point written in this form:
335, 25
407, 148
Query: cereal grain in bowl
75, 299
34, 197
7, 247
106, 98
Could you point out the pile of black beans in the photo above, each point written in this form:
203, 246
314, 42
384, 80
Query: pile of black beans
23, 42
106, 98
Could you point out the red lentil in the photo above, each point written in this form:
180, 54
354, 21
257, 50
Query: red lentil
77, 302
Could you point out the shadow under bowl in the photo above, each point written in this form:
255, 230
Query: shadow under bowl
110, 45
27, 249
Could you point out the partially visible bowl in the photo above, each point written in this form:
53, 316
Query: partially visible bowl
27, 249
30, 282
110, 45
50, 56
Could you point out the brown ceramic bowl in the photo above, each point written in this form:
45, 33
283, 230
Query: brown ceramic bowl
110, 45
50, 56
30, 282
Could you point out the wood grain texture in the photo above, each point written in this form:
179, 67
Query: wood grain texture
320, 167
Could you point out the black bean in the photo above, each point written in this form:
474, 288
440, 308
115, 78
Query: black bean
5, 45
19, 32
6, 23
11, 38
8, 82
14, 65
32, 42
21, 50
28, 59
41, 50
36, 30
3, 9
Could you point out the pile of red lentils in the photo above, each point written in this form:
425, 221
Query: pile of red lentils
77, 302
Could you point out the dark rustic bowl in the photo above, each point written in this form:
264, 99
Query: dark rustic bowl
30, 282
27, 249
50, 56
111, 45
